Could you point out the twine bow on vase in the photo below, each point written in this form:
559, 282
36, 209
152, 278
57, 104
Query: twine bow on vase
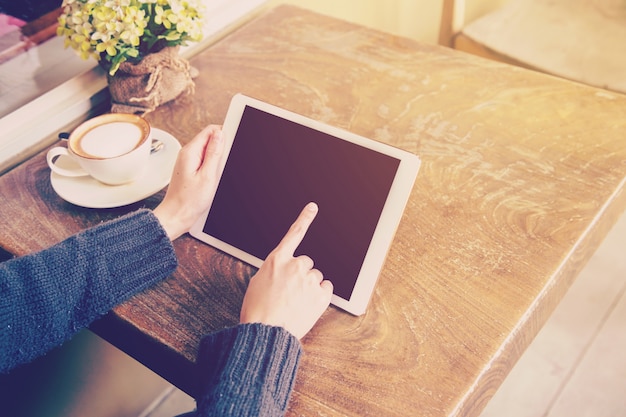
158, 78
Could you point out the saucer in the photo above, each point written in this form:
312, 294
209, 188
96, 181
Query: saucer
88, 192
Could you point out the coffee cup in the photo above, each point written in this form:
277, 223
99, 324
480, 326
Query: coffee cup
113, 148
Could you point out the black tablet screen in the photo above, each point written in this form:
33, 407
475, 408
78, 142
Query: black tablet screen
275, 167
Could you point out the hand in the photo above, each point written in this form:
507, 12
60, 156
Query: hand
287, 291
194, 182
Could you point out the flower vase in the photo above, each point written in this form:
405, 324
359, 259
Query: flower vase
159, 77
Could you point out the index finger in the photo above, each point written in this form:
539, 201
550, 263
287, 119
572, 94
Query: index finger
298, 229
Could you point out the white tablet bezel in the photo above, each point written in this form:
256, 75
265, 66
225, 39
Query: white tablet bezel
390, 217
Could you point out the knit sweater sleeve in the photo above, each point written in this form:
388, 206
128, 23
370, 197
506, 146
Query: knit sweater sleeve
247, 370
47, 297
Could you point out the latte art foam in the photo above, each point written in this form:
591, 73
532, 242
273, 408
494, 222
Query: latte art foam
110, 140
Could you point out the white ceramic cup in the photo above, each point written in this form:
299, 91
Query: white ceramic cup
112, 148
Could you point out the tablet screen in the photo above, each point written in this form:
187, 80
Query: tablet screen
257, 200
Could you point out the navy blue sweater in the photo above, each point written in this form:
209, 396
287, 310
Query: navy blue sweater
47, 297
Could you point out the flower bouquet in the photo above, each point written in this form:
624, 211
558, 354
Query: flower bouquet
135, 40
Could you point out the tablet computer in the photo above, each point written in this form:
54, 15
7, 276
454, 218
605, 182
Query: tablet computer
276, 162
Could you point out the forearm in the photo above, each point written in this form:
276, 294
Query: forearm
248, 370
47, 297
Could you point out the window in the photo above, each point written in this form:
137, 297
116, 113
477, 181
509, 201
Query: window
44, 87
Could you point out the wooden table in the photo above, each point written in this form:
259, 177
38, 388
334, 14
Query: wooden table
522, 176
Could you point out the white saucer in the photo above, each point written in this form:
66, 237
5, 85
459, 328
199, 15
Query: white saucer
88, 192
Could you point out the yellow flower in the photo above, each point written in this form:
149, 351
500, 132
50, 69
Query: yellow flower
134, 16
108, 46
103, 14
161, 17
116, 30
131, 36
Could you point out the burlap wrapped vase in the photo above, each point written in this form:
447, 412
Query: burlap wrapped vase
143, 86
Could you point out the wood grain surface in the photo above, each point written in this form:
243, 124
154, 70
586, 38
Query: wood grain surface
522, 176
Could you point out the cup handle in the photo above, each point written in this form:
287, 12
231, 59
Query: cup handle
60, 152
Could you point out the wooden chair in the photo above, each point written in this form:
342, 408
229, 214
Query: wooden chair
582, 40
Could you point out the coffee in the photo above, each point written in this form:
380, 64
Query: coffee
109, 136
113, 148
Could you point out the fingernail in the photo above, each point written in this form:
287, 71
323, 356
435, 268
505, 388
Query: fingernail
311, 207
